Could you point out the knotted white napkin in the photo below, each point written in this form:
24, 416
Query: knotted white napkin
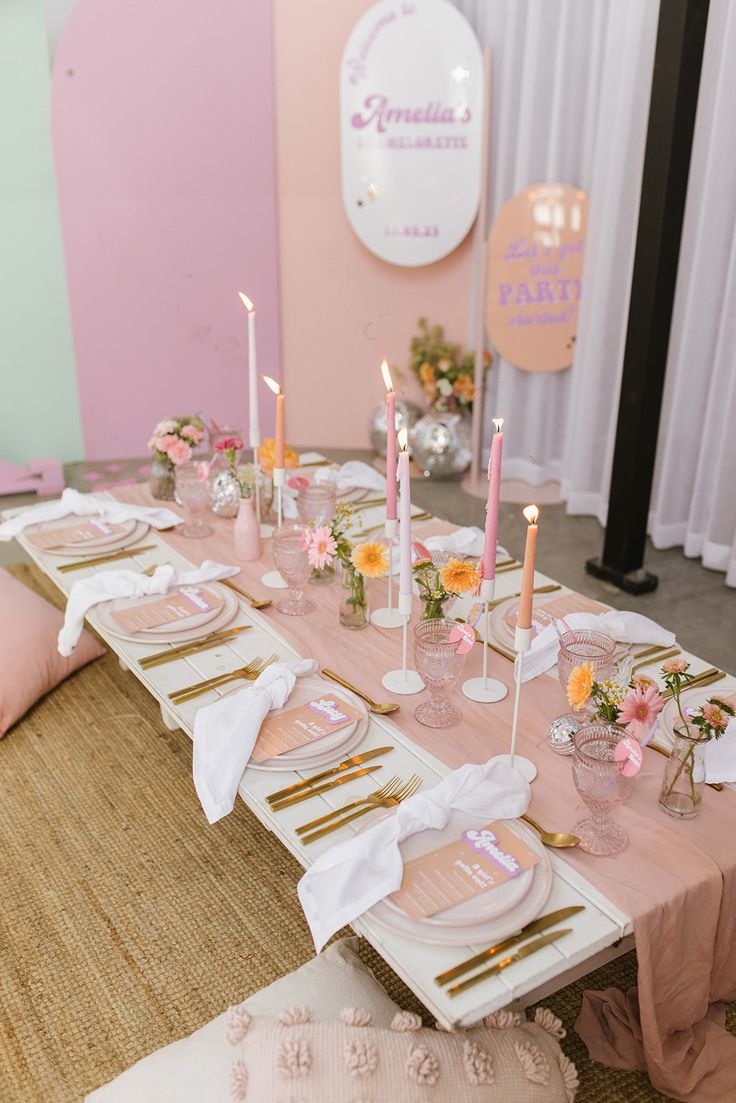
720, 756
88, 505
106, 585
353, 475
625, 627
466, 541
355, 874
225, 733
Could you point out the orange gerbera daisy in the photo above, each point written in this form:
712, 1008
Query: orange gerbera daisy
266, 454
370, 559
464, 387
426, 373
459, 576
580, 685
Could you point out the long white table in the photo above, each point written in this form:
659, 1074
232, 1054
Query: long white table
600, 932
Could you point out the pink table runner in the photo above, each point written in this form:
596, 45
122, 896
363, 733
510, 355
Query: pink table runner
676, 879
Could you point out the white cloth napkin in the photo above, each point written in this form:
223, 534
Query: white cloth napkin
463, 542
106, 585
720, 756
88, 505
353, 475
619, 625
225, 733
355, 874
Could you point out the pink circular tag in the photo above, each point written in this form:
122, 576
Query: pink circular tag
629, 755
464, 636
297, 482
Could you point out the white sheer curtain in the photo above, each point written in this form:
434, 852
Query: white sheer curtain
694, 502
571, 84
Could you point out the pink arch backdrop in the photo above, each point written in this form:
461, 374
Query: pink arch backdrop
163, 126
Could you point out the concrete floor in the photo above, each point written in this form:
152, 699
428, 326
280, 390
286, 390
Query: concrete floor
692, 602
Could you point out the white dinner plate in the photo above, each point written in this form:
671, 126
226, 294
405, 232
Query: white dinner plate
132, 531
332, 747
692, 699
169, 633
487, 929
503, 633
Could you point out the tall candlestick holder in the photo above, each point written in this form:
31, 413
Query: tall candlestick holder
487, 691
273, 579
403, 680
524, 766
389, 617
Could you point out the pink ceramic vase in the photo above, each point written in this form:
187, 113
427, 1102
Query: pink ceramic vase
247, 532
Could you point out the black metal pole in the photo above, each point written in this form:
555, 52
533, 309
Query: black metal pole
677, 63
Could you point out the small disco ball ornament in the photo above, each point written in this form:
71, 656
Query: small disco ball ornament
224, 494
440, 444
407, 415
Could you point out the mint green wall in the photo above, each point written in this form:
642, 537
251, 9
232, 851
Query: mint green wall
39, 401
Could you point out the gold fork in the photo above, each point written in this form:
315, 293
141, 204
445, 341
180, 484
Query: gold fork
407, 790
387, 790
705, 678
651, 660
249, 672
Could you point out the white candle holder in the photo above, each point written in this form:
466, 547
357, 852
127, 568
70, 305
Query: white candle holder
403, 680
524, 766
389, 617
273, 579
485, 690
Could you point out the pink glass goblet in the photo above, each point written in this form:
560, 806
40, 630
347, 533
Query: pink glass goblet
439, 664
583, 646
603, 786
290, 557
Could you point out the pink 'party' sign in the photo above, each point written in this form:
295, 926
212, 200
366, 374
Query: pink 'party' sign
535, 267
411, 108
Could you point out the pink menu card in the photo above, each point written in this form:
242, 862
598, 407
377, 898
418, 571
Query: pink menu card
303, 724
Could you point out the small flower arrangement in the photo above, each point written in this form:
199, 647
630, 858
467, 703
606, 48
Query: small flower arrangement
634, 707
326, 544
438, 584
229, 448
711, 719
267, 454
445, 373
174, 439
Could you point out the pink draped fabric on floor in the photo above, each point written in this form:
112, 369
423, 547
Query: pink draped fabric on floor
677, 880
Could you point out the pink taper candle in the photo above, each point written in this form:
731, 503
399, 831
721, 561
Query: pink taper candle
527, 578
405, 580
391, 483
279, 448
488, 561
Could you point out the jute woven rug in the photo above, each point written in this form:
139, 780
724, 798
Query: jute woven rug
126, 921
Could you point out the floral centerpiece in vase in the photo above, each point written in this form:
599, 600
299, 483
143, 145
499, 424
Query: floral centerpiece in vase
328, 544
172, 442
632, 706
684, 775
441, 577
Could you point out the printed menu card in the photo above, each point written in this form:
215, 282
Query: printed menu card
79, 533
478, 861
295, 727
187, 601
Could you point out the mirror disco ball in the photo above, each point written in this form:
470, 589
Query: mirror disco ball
440, 444
407, 415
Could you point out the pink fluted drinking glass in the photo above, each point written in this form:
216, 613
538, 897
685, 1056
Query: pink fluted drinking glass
290, 557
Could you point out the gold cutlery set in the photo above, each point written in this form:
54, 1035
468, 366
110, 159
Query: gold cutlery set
111, 557
249, 672
536, 927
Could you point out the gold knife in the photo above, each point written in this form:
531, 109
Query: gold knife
184, 650
525, 951
307, 793
548, 589
356, 760
705, 678
125, 553
535, 927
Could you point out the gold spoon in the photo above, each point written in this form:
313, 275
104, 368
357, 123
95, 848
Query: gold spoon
256, 603
373, 706
558, 839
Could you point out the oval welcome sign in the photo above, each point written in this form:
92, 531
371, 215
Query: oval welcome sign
535, 266
411, 107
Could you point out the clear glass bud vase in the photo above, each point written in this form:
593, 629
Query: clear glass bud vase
684, 775
353, 600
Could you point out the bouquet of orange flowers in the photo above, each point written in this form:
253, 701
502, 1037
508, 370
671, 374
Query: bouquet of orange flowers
446, 374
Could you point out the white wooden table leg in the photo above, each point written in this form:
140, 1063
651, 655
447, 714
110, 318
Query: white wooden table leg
170, 722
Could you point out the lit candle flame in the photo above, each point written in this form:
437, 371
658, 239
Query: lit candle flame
531, 513
247, 303
386, 375
498, 422
403, 439
272, 384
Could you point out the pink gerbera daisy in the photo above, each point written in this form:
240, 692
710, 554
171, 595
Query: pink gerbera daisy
715, 716
639, 709
322, 547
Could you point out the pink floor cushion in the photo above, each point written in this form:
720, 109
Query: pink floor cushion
30, 665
